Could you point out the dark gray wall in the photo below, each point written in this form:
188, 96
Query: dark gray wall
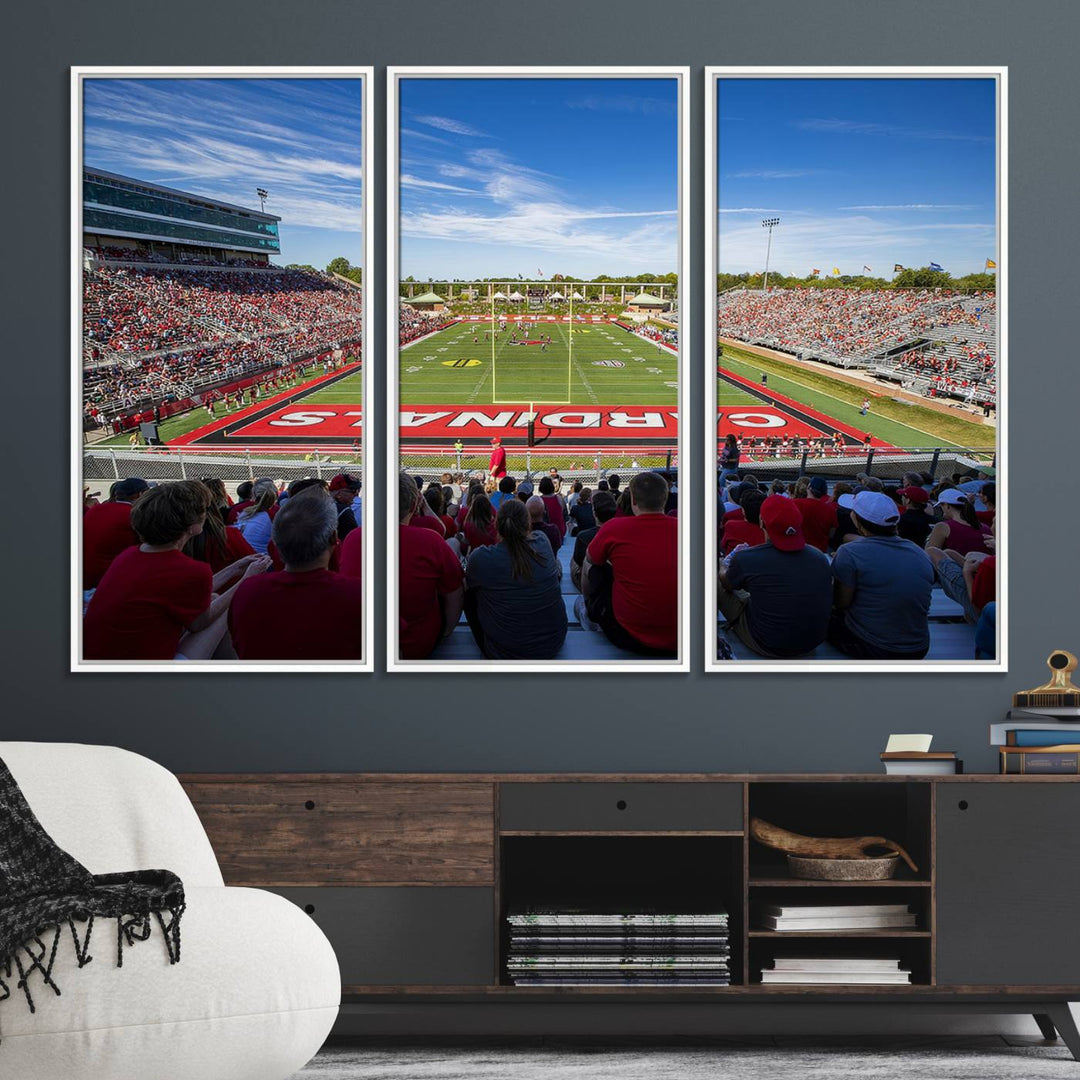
587, 722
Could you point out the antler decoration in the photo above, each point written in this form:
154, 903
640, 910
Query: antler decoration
851, 847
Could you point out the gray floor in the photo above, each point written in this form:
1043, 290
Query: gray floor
860, 1058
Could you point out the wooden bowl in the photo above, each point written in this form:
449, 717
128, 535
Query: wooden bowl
819, 869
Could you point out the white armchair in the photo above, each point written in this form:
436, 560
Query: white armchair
257, 988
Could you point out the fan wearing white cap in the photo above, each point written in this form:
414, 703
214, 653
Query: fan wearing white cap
959, 530
882, 587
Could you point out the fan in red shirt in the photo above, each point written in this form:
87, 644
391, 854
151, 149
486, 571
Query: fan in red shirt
156, 603
631, 576
746, 530
818, 514
431, 590
107, 529
497, 464
306, 611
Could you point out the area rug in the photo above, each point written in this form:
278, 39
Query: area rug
896, 1058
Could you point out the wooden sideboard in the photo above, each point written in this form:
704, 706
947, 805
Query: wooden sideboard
411, 875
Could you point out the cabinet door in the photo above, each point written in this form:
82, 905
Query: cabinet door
1008, 882
406, 936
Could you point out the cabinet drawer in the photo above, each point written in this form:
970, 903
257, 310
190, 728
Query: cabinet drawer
406, 936
620, 807
299, 833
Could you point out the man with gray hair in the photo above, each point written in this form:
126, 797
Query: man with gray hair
306, 611
535, 505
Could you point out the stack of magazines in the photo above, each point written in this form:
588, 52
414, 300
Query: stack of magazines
840, 970
642, 948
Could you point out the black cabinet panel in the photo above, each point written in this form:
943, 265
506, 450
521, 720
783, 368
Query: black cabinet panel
615, 806
386, 936
1008, 884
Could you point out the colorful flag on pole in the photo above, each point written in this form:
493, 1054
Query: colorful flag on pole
897, 269
991, 265
814, 272
934, 266
539, 272
867, 269
836, 271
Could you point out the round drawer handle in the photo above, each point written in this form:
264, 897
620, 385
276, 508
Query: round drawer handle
962, 804
309, 805
621, 804
309, 908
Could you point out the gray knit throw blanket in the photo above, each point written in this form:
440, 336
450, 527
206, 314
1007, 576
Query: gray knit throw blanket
45, 894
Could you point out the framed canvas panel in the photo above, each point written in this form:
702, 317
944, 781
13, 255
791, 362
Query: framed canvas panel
221, 252
856, 394
537, 275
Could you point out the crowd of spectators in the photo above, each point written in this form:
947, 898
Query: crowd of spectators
488, 547
190, 257
664, 335
152, 335
413, 324
799, 565
177, 571
956, 334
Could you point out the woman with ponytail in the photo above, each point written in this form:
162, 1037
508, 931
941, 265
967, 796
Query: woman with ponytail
512, 600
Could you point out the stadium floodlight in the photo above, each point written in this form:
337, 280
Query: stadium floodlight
263, 196
768, 223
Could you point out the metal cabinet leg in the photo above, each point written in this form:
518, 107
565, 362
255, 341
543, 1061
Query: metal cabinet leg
1062, 1018
1046, 1026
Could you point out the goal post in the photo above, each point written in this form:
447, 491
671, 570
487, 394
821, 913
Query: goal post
518, 367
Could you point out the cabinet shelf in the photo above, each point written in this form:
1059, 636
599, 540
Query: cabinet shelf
804, 883
885, 933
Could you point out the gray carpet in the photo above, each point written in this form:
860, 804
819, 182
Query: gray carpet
909, 1059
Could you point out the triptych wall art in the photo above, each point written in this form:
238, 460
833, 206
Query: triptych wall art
542, 364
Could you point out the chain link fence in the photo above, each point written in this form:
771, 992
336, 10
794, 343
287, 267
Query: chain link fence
153, 463
588, 465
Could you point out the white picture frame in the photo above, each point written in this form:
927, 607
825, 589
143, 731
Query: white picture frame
395, 75
713, 75
78, 76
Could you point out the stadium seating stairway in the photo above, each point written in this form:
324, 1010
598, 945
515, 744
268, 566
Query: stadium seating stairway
951, 638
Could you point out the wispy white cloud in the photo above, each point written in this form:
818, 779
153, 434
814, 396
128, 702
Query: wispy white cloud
911, 206
803, 241
836, 126
301, 138
623, 103
773, 174
455, 127
416, 182
750, 210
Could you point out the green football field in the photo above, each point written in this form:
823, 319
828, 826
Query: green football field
599, 364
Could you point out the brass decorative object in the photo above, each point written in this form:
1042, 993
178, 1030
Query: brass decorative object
1059, 693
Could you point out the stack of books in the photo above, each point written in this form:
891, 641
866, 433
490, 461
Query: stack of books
914, 763
850, 970
910, 755
1039, 740
639, 948
795, 917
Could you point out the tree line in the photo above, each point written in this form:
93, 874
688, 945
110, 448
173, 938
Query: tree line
908, 278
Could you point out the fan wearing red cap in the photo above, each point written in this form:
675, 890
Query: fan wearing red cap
777, 596
343, 489
915, 523
883, 585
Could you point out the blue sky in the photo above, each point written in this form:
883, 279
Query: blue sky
860, 171
299, 138
570, 176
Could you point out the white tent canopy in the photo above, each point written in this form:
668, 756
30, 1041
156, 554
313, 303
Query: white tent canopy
515, 295
499, 296
577, 296
556, 296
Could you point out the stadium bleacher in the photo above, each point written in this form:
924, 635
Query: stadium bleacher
935, 342
154, 334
